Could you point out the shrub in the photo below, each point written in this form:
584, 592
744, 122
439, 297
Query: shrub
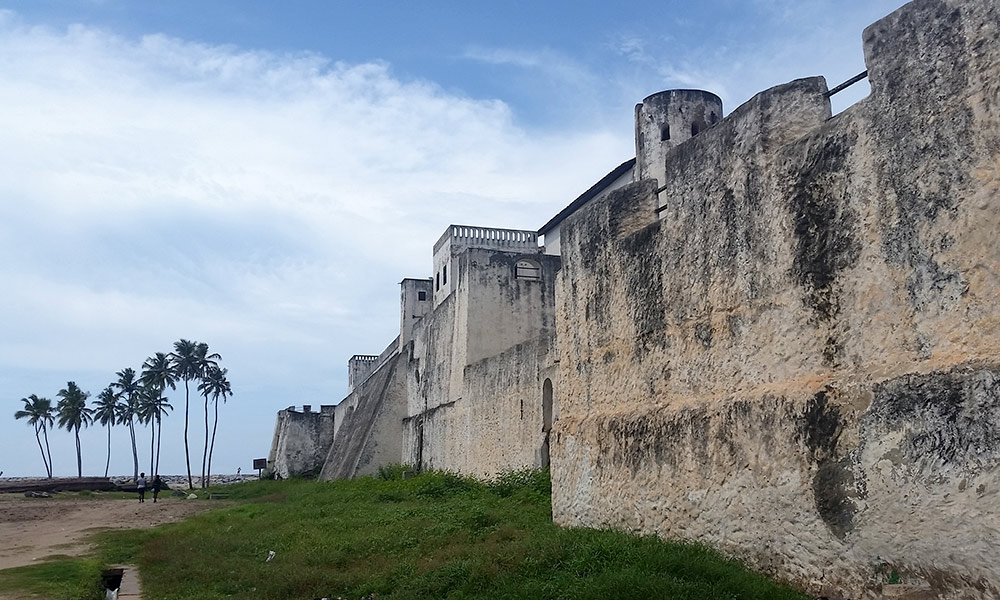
508, 483
393, 472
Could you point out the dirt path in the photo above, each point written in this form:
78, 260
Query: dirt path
33, 528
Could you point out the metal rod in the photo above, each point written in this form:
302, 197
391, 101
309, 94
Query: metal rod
847, 83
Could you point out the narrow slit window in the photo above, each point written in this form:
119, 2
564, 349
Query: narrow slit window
665, 133
694, 129
437, 282
444, 275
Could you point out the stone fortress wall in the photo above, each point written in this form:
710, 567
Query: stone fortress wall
301, 440
772, 332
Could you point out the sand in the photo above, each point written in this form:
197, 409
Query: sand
34, 528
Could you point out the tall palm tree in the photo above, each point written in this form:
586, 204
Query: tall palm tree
128, 389
152, 408
162, 408
38, 411
145, 410
106, 413
216, 385
190, 361
157, 376
74, 414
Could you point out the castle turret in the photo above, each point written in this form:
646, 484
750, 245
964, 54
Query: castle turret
666, 119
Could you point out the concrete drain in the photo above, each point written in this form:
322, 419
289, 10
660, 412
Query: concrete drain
112, 580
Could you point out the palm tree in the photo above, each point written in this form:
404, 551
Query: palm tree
145, 414
128, 389
106, 413
38, 411
152, 407
162, 408
216, 385
157, 376
74, 414
190, 361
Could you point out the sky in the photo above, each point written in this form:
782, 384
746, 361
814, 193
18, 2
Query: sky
260, 176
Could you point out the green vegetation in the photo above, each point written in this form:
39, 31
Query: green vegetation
61, 578
435, 535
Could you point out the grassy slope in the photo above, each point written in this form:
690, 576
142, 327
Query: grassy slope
433, 536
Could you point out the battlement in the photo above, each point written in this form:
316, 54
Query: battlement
467, 236
462, 237
361, 366
306, 409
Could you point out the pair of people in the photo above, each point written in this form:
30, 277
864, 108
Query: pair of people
140, 486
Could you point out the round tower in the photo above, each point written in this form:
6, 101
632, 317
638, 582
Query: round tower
666, 119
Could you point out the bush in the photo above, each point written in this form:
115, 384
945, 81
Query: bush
393, 472
445, 484
508, 483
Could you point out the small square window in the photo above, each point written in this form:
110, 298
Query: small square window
421, 296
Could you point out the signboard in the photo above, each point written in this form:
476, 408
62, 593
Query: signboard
260, 463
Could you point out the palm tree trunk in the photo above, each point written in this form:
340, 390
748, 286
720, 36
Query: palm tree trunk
135, 452
211, 448
79, 454
187, 453
152, 438
159, 438
48, 469
204, 455
108, 464
45, 433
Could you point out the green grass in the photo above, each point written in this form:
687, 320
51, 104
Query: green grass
436, 535
62, 578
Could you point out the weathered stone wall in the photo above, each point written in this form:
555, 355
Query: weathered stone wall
370, 434
797, 363
301, 440
503, 394
490, 322
504, 311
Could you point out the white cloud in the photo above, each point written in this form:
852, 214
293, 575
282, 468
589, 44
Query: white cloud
547, 61
265, 203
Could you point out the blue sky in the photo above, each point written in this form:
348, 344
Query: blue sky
261, 175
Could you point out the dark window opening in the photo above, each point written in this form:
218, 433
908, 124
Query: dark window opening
522, 409
444, 275
694, 129
713, 118
437, 283
421, 295
665, 133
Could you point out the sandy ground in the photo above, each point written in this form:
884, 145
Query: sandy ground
34, 528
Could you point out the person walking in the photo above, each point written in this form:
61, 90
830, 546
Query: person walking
157, 486
140, 486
